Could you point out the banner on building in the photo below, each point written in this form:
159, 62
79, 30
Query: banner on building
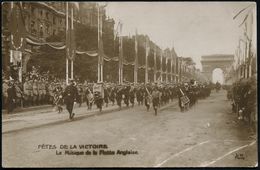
17, 27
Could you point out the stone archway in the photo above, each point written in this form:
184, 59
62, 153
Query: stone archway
211, 62
218, 75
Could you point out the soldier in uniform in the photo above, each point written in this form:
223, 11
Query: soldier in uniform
11, 96
119, 94
106, 95
89, 97
218, 86
155, 99
147, 97
183, 91
81, 94
132, 95
112, 95
126, 95
48, 93
192, 93
99, 96
4, 94
58, 97
70, 96
40, 91
139, 95
44, 91
51, 88
30, 92
19, 94
35, 92
163, 96
25, 93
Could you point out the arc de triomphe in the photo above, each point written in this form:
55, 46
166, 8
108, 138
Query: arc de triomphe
211, 62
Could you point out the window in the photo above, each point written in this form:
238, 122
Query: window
47, 15
32, 10
54, 20
48, 29
41, 32
32, 24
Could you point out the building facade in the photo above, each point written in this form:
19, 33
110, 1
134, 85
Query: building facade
45, 19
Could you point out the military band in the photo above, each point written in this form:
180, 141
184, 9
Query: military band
37, 91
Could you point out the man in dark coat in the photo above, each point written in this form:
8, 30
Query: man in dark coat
11, 96
70, 96
132, 95
155, 99
119, 94
126, 95
139, 95
106, 95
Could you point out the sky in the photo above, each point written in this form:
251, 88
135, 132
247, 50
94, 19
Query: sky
192, 28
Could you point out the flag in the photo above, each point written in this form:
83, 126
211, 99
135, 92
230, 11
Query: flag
147, 46
136, 48
17, 27
100, 41
249, 24
155, 65
116, 31
101, 52
120, 46
70, 37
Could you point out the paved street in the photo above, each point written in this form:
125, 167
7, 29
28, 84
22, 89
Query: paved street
206, 135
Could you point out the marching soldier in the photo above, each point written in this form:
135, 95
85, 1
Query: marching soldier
192, 93
155, 99
112, 95
81, 94
70, 96
99, 95
106, 95
183, 93
119, 94
126, 95
58, 97
139, 95
89, 97
147, 97
132, 95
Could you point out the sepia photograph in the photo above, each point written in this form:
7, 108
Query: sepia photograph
129, 84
